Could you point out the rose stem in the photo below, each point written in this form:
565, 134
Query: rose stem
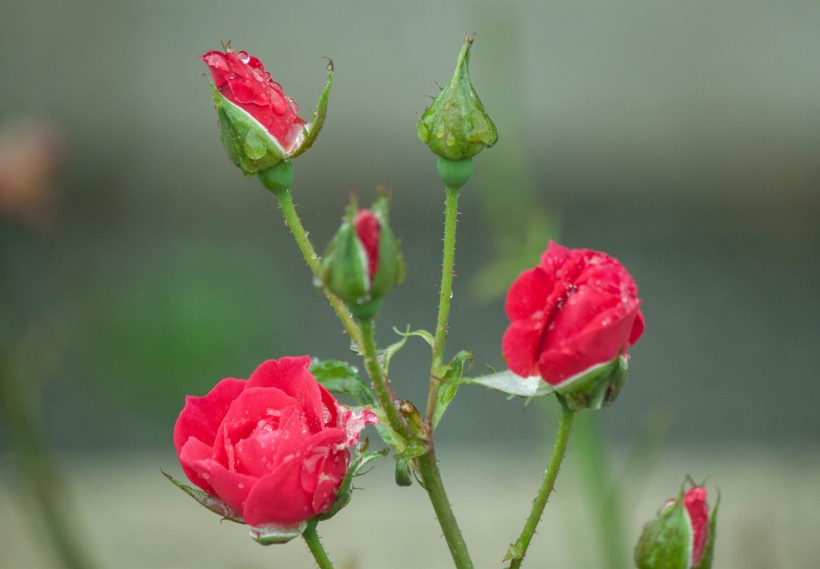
518, 550
314, 544
428, 465
37, 469
445, 295
285, 199
380, 382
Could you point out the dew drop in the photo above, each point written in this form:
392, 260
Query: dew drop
277, 534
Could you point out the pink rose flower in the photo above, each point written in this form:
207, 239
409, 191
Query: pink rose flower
273, 448
242, 80
577, 309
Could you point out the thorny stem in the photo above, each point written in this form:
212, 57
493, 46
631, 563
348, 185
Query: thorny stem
285, 199
428, 468
445, 295
311, 537
518, 550
380, 382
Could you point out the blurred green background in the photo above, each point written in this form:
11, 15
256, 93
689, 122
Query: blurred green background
682, 138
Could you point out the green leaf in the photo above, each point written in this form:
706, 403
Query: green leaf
339, 377
210, 502
450, 382
512, 384
424, 334
346, 489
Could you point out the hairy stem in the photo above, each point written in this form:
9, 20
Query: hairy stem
518, 550
285, 199
428, 468
445, 295
381, 384
311, 537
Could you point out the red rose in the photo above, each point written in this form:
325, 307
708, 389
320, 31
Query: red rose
242, 80
273, 448
576, 310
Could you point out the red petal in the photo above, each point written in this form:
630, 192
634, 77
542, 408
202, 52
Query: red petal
519, 346
254, 406
368, 230
278, 498
201, 417
292, 376
528, 294
698, 510
637, 328
231, 487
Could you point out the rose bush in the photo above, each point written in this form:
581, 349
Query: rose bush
577, 310
273, 448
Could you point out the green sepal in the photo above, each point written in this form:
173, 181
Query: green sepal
455, 370
339, 377
344, 266
356, 469
709, 549
512, 384
403, 475
392, 268
595, 387
206, 500
666, 541
455, 125
319, 116
248, 144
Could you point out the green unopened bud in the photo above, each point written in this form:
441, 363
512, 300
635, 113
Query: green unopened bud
456, 126
682, 536
363, 261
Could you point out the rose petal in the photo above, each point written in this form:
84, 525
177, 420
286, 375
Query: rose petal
255, 405
519, 346
231, 487
201, 417
528, 294
278, 498
291, 375
637, 328
265, 449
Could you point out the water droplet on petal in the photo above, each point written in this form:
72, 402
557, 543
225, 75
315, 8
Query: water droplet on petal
277, 534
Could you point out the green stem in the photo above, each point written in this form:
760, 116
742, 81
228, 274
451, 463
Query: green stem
428, 468
285, 199
445, 294
314, 544
381, 383
518, 550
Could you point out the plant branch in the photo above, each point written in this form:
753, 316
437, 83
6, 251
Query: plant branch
445, 295
311, 537
285, 199
518, 550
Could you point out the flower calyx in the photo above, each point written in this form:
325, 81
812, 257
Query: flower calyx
259, 125
456, 126
363, 260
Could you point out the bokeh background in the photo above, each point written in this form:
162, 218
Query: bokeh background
682, 138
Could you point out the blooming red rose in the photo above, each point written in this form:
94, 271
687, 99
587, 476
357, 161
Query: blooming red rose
273, 448
576, 310
242, 80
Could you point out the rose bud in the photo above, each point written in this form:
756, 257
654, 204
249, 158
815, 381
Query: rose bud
363, 261
455, 126
259, 125
271, 450
573, 318
682, 536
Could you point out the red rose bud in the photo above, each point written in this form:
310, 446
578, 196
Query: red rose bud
682, 536
363, 261
455, 126
573, 318
259, 125
272, 449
